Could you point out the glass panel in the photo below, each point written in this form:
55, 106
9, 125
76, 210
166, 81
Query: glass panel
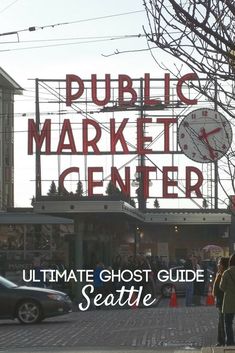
11, 237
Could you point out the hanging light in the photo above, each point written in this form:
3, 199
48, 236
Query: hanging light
176, 229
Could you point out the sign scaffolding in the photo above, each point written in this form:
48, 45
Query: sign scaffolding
124, 131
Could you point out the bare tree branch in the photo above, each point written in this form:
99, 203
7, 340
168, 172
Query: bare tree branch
200, 34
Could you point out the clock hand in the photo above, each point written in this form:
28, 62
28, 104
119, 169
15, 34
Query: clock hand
212, 131
204, 136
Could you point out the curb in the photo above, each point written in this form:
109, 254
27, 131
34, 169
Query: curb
218, 349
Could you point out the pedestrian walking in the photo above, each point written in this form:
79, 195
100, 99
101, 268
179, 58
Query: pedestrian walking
227, 284
39, 282
98, 283
189, 284
198, 287
219, 296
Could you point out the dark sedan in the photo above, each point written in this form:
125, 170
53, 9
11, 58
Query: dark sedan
31, 305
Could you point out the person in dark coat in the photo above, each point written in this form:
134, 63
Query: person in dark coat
189, 284
227, 284
219, 296
198, 287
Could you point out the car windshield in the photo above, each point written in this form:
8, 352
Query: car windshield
5, 283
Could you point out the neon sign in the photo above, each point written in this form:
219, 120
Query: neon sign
91, 143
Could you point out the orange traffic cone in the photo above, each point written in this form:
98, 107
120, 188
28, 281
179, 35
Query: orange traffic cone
173, 298
210, 300
133, 301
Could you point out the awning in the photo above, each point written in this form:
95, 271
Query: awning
31, 218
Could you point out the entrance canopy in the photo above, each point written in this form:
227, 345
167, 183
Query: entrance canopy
164, 216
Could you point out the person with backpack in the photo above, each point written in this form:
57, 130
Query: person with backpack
227, 285
219, 296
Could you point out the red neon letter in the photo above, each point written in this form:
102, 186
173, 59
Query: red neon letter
64, 174
66, 146
39, 138
167, 122
91, 182
141, 138
93, 142
69, 96
187, 77
196, 187
168, 182
145, 173
94, 90
116, 178
118, 136
128, 88
147, 99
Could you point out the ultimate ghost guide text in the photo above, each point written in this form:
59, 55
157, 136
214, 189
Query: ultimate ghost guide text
130, 294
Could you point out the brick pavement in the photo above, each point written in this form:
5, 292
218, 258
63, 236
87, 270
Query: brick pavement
140, 328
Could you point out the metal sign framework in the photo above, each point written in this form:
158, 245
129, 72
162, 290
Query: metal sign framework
51, 101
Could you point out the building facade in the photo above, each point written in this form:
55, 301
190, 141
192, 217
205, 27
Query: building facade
26, 237
106, 229
8, 89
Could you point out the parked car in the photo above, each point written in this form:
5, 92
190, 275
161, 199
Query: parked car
30, 304
165, 288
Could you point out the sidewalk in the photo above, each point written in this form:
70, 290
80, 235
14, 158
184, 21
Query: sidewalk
218, 349
98, 350
113, 350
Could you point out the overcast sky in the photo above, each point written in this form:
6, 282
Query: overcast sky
55, 61
26, 55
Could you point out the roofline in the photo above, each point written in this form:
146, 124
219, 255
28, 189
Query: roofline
32, 218
17, 88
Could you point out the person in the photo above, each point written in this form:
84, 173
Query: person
227, 284
198, 287
219, 296
37, 267
98, 283
189, 284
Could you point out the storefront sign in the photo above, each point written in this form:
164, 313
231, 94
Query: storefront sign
91, 135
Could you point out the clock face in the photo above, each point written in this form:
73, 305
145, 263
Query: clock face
204, 135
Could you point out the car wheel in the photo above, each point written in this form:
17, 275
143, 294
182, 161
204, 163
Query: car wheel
166, 290
29, 312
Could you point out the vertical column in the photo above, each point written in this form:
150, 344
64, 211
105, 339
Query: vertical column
79, 234
37, 153
25, 239
216, 162
141, 199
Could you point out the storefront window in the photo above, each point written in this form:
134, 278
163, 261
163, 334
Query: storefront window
21, 244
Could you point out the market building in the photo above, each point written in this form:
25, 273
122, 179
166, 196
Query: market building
65, 227
8, 89
105, 229
26, 237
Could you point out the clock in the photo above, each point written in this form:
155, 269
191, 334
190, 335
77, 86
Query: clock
204, 135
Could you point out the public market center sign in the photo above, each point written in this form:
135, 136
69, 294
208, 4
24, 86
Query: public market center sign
203, 135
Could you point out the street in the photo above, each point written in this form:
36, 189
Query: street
160, 328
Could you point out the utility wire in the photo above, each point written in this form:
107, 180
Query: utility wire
5, 8
72, 43
75, 38
36, 28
